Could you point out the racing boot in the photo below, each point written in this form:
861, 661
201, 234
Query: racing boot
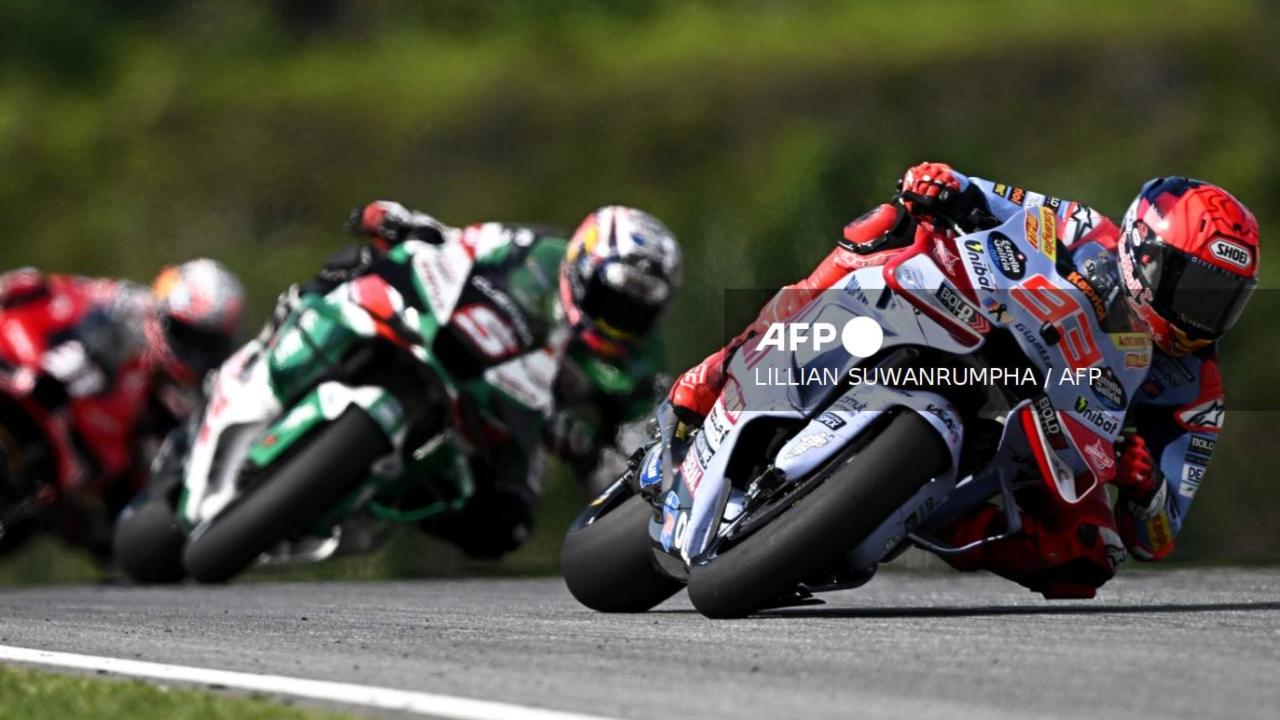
1061, 553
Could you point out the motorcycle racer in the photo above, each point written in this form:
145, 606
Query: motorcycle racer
110, 367
594, 299
1180, 268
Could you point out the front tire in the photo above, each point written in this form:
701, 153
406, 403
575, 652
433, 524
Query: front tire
292, 497
148, 544
862, 488
608, 564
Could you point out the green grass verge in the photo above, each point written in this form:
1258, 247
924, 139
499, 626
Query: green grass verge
29, 694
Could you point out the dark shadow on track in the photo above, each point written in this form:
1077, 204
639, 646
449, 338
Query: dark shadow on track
997, 610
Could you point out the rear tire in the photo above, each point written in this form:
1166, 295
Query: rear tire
148, 544
863, 488
609, 566
289, 499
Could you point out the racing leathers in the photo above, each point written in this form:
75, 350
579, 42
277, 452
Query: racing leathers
95, 360
1171, 427
592, 395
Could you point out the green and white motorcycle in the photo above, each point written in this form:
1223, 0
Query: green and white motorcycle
361, 412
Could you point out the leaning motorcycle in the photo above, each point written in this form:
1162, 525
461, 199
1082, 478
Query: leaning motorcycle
789, 489
67, 444
360, 413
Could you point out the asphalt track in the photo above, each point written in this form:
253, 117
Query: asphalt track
1190, 643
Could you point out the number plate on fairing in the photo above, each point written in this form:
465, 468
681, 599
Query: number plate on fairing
1090, 374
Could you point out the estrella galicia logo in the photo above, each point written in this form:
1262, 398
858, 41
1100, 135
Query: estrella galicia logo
1011, 261
1109, 390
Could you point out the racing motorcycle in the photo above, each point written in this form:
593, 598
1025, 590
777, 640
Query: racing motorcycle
66, 437
358, 414
794, 488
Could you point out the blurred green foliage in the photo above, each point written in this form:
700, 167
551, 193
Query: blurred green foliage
134, 134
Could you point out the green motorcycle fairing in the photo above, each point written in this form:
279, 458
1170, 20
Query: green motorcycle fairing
322, 330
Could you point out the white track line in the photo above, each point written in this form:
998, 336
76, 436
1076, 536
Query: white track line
444, 706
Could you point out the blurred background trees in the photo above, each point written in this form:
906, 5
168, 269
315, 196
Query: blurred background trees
135, 133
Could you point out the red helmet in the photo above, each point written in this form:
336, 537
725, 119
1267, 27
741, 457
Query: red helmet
1189, 261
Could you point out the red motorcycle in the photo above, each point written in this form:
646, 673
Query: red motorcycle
74, 386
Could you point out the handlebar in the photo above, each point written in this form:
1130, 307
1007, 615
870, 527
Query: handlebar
951, 210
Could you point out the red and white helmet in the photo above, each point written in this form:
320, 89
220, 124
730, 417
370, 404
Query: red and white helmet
199, 305
620, 270
1188, 260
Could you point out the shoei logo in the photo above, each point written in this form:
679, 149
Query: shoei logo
1229, 252
861, 337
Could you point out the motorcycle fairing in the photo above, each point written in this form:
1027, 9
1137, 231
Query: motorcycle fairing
851, 415
241, 403
856, 409
527, 378
1072, 441
326, 403
440, 273
694, 506
243, 419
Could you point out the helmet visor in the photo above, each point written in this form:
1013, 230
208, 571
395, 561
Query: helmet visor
624, 300
635, 282
198, 348
1203, 300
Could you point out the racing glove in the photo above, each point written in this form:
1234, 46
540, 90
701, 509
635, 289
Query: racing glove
1137, 473
394, 223
941, 191
930, 182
